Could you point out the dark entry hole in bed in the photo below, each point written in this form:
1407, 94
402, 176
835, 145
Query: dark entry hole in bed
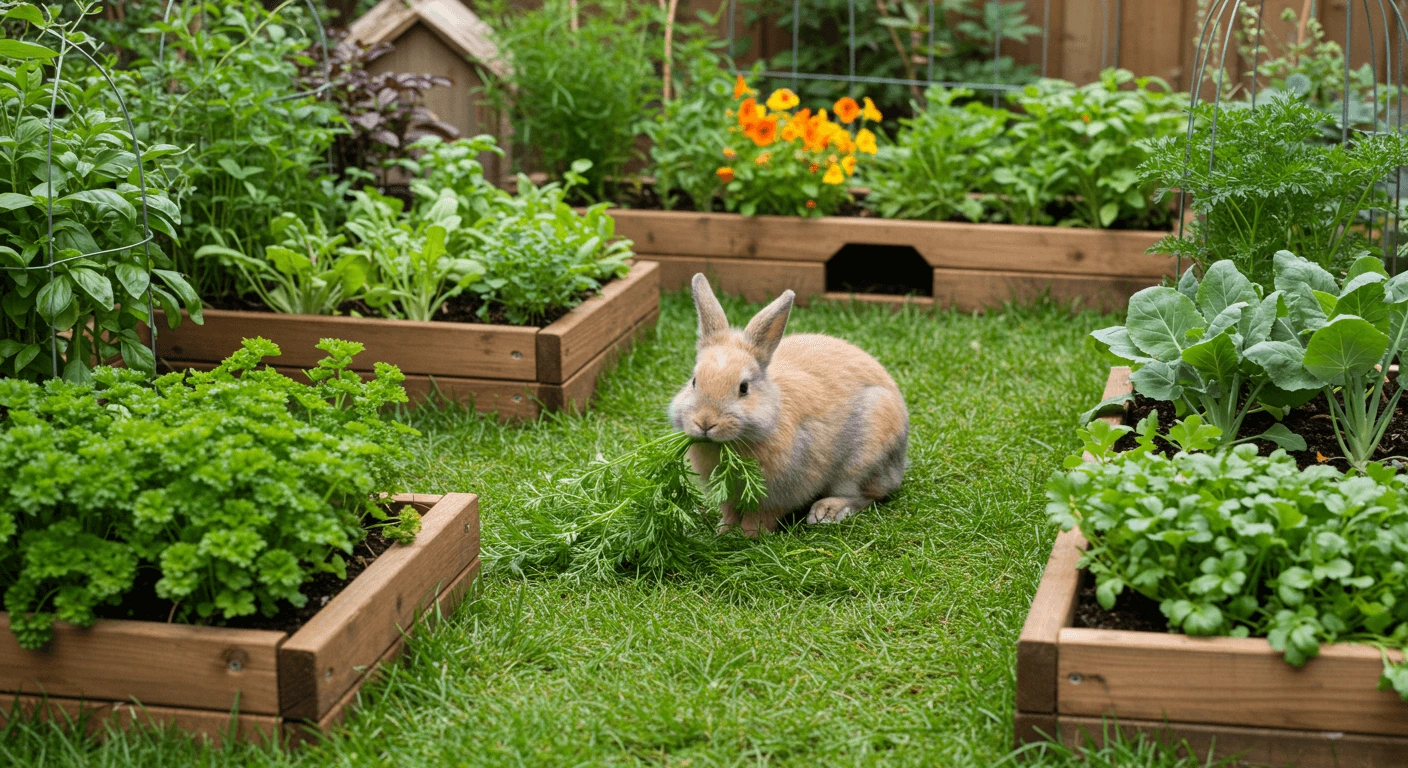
895, 270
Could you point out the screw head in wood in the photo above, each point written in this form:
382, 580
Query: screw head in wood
1075, 678
516, 355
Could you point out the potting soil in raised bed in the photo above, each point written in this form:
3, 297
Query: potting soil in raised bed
1311, 421
460, 309
142, 603
1132, 611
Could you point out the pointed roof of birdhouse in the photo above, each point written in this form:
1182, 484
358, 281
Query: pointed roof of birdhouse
450, 20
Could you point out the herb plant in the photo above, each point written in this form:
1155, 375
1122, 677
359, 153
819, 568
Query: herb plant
306, 273
1270, 184
86, 308
1233, 543
688, 138
235, 486
640, 512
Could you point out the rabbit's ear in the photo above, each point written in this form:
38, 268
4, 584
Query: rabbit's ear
711, 314
764, 331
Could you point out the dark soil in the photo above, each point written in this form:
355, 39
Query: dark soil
460, 309
1311, 421
142, 603
1132, 611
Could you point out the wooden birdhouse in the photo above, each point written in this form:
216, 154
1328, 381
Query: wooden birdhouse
442, 37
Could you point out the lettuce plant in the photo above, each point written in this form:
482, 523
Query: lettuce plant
306, 273
1232, 543
1192, 346
233, 486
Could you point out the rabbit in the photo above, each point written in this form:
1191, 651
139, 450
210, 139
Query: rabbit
823, 418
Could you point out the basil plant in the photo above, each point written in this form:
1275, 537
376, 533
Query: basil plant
1339, 338
1191, 346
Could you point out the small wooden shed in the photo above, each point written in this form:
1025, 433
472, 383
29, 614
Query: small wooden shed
442, 37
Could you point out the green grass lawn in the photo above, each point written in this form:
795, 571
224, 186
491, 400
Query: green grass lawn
886, 640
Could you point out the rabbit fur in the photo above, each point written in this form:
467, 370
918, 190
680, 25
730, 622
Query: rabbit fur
823, 418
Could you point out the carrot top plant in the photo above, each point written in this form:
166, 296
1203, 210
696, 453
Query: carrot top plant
788, 161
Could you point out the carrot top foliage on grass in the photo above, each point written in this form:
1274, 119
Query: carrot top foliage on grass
885, 640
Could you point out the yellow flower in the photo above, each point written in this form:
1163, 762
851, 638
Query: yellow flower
782, 98
870, 112
763, 158
848, 163
741, 89
730, 153
833, 175
865, 141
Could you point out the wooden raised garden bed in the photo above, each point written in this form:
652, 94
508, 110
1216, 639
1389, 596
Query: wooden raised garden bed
967, 266
516, 371
257, 684
1235, 694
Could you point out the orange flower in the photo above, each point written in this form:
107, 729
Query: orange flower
870, 112
847, 110
811, 203
750, 112
730, 153
796, 125
725, 174
865, 141
741, 89
818, 132
763, 158
848, 164
763, 132
834, 175
782, 98
815, 168
1086, 118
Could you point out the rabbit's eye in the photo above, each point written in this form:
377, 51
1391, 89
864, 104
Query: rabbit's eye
743, 389
694, 382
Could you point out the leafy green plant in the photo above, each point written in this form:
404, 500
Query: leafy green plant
640, 512
305, 274
413, 274
1094, 136
582, 76
1197, 346
235, 485
688, 137
436, 165
1340, 338
1269, 184
85, 309
1233, 543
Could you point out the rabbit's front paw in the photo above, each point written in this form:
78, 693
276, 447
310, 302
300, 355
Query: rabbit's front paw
832, 510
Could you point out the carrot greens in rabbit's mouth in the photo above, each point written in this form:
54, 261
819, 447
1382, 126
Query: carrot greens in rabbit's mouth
642, 512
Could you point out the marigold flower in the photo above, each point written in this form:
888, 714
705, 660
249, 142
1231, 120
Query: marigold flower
763, 132
847, 110
841, 140
741, 89
834, 175
782, 98
815, 168
763, 158
725, 174
750, 112
870, 112
1085, 117
811, 203
848, 164
730, 153
865, 141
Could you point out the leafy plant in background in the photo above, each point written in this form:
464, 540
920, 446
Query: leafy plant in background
222, 88
688, 138
892, 41
640, 512
306, 273
1197, 345
235, 486
582, 78
1268, 184
1237, 544
1340, 337
86, 309
435, 165
787, 161
940, 160
1093, 136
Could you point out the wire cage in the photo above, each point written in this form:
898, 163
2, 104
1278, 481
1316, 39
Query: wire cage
1236, 67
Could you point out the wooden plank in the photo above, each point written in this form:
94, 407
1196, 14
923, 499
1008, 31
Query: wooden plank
508, 399
150, 662
972, 290
1224, 680
1257, 746
449, 599
1146, 47
594, 326
1001, 247
212, 726
895, 302
1030, 727
470, 350
756, 281
383, 23
1086, 39
326, 657
1053, 608
576, 394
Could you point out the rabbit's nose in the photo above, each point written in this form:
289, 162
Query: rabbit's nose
704, 428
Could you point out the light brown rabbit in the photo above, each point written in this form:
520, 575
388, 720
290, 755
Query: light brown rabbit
823, 418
